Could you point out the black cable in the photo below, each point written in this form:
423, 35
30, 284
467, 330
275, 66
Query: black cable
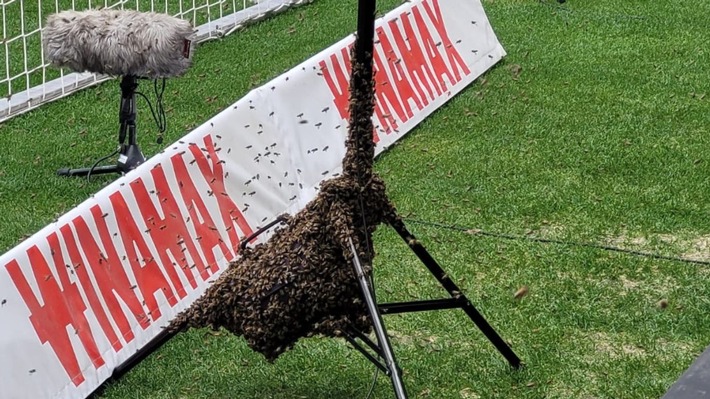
158, 113
163, 123
371, 279
368, 245
474, 231
91, 169
374, 382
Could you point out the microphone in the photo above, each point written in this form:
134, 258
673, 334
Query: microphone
119, 42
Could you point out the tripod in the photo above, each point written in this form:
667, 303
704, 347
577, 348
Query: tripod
380, 351
382, 348
129, 154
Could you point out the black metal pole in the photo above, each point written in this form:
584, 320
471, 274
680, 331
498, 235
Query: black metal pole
364, 45
358, 160
130, 155
127, 110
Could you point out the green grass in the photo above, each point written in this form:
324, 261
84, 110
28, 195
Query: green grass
601, 137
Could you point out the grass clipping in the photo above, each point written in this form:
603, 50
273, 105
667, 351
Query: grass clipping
302, 281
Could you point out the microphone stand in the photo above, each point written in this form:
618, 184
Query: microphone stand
129, 154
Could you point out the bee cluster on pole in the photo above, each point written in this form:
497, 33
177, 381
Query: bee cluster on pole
301, 282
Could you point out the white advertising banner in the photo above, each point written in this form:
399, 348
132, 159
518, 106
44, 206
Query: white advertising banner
84, 294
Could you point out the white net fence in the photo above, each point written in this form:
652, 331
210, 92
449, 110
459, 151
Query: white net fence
27, 80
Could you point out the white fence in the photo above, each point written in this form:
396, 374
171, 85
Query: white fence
27, 80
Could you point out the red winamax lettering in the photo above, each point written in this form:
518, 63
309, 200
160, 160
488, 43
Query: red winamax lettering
169, 231
96, 261
410, 67
61, 306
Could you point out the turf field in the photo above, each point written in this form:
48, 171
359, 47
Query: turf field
563, 169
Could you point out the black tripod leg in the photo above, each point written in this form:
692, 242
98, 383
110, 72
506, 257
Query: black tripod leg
351, 338
383, 340
455, 292
99, 170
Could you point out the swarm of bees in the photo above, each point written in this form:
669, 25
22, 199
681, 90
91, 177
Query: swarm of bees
302, 281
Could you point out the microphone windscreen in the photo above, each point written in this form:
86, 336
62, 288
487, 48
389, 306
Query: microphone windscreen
119, 42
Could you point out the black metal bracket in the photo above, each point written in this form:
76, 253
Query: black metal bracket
252, 236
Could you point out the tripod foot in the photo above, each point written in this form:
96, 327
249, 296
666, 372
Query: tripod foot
129, 158
64, 172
